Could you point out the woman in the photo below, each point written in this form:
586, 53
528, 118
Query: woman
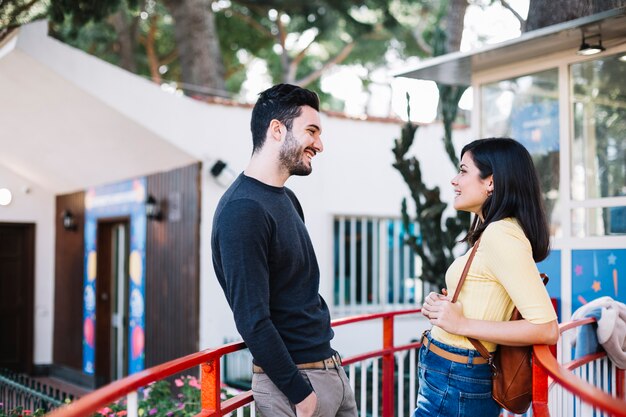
498, 183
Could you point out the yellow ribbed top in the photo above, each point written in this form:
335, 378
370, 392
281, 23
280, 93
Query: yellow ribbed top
503, 274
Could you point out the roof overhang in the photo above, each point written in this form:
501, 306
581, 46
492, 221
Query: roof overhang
457, 68
59, 134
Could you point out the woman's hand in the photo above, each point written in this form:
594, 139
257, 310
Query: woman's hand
441, 312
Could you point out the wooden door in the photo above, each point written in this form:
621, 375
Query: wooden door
111, 327
16, 295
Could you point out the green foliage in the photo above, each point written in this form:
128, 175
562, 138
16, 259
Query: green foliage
14, 13
82, 12
437, 237
20, 412
158, 400
96, 38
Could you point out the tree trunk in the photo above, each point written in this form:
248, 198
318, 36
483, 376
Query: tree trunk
454, 24
198, 47
126, 28
542, 13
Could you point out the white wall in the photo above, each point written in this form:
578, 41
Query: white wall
35, 206
353, 176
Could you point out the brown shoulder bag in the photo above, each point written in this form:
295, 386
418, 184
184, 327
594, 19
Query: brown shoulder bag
511, 366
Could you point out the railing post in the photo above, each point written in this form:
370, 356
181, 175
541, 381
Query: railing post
211, 390
619, 384
388, 368
540, 390
132, 404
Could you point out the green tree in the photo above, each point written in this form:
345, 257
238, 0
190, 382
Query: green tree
436, 236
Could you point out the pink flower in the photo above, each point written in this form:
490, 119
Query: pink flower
194, 383
122, 413
178, 382
104, 411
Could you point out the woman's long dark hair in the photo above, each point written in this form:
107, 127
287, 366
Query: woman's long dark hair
516, 191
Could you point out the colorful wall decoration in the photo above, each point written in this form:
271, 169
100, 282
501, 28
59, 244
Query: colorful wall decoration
114, 200
596, 273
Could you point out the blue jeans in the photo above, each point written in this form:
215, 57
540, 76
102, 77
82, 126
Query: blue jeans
451, 389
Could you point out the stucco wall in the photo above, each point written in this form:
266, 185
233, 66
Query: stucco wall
33, 204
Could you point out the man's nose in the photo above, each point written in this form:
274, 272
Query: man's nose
319, 146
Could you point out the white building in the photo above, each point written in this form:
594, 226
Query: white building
86, 142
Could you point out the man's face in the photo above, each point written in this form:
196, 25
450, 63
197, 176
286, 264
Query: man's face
302, 142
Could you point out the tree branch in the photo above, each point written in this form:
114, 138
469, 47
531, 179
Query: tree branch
285, 62
153, 59
522, 22
253, 23
169, 58
293, 65
334, 61
418, 35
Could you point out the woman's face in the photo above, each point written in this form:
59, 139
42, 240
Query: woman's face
471, 190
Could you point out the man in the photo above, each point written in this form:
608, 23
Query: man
266, 265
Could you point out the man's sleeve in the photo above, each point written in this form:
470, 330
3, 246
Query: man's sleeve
244, 232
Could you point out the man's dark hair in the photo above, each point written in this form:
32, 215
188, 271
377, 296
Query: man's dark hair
516, 191
282, 102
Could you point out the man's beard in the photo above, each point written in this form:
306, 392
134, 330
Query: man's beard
291, 157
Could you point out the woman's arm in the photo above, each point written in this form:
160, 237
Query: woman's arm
442, 313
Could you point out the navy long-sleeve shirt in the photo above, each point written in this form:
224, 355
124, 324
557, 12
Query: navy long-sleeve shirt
265, 262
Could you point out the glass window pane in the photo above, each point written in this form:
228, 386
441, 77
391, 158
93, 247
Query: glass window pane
527, 109
598, 221
599, 116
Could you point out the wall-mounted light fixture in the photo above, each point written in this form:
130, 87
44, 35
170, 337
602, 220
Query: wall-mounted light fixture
622, 58
587, 48
222, 173
69, 221
5, 196
153, 210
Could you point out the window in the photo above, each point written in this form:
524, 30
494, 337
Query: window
373, 268
598, 151
527, 109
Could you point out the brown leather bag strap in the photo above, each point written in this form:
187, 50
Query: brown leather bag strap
465, 271
477, 345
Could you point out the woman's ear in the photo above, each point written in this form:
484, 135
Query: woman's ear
489, 183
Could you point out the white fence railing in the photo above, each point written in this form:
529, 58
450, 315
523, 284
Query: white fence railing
373, 269
595, 369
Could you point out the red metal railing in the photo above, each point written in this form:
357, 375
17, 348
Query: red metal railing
547, 372
209, 361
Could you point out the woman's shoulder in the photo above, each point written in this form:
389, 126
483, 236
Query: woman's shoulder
504, 229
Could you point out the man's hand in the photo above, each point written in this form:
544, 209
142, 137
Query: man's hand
306, 407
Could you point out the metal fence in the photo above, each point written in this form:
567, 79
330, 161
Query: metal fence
18, 390
373, 269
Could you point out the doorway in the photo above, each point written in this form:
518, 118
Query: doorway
17, 260
111, 355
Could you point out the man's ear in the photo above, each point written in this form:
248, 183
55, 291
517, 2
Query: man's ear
276, 130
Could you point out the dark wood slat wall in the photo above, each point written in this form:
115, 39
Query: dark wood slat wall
68, 286
173, 266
